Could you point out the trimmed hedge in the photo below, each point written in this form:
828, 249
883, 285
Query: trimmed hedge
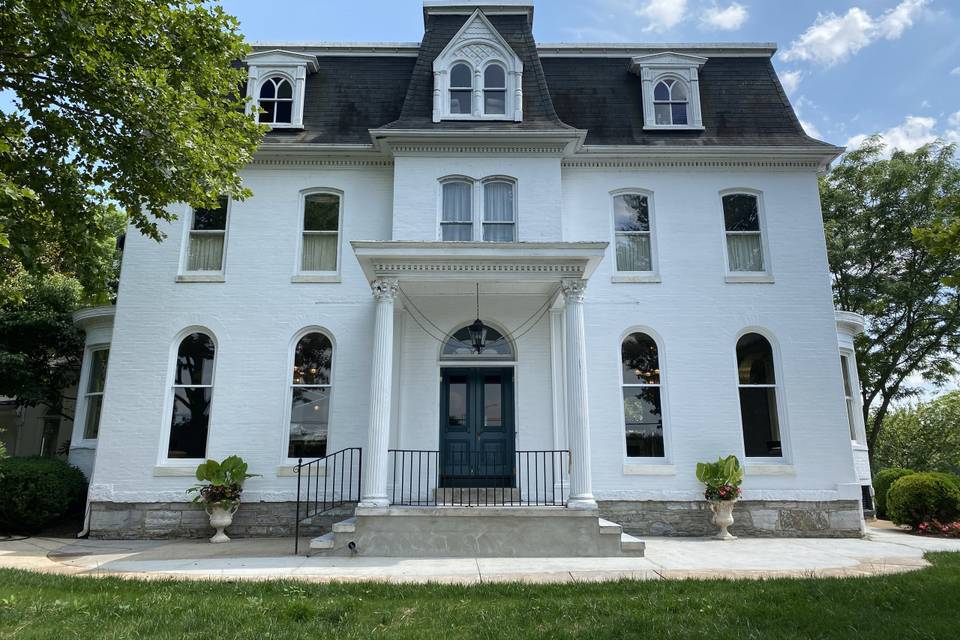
922, 497
35, 492
882, 481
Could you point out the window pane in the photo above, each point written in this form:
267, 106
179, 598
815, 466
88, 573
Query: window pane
284, 112
643, 421
188, 427
457, 402
498, 232
456, 232
269, 108
678, 92
461, 76
850, 419
740, 212
755, 360
98, 370
495, 102
498, 202
761, 433
268, 90
195, 360
211, 219
494, 77
492, 402
662, 113
460, 101
206, 252
641, 363
847, 383
321, 212
661, 92
631, 212
633, 252
319, 252
679, 112
91, 424
284, 90
309, 423
457, 206
312, 360
745, 252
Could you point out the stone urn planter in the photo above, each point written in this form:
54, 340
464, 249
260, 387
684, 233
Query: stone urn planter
221, 517
723, 517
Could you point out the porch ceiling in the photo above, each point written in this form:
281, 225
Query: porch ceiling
503, 262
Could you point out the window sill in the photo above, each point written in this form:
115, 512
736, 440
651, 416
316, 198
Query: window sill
304, 278
648, 469
671, 127
859, 446
769, 470
637, 277
282, 125
201, 277
759, 278
168, 471
289, 470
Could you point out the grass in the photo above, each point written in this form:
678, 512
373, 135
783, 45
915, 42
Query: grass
922, 604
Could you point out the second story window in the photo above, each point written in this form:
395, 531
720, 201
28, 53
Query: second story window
498, 211
744, 237
494, 197
321, 232
276, 101
456, 222
207, 238
631, 220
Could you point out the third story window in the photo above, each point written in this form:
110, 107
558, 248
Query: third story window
276, 101
631, 214
461, 89
321, 226
494, 90
310, 397
741, 218
758, 397
208, 231
670, 102
642, 407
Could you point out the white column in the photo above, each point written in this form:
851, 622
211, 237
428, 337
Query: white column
381, 381
578, 421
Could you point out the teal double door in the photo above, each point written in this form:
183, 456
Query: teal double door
476, 427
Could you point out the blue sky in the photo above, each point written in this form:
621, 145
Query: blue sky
850, 68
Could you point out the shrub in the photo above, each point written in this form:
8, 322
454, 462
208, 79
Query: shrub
882, 482
35, 492
923, 497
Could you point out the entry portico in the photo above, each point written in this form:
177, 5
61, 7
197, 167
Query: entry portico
551, 275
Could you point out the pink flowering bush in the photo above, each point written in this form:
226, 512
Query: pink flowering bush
934, 528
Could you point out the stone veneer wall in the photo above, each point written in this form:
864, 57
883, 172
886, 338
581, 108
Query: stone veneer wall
752, 518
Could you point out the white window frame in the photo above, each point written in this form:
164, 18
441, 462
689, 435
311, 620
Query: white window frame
653, 461
854, 401
83, 396
670, 65
285, 460
185, 275
766, 275
653, 275
299, 275
185, 464
672, 81
478, 212
292, 66
786, 449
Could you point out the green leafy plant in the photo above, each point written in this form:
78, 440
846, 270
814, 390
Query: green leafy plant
882, 481
722, 478
923, 497
225, 481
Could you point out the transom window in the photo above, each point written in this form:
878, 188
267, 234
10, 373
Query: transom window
631, 219
670, 97
207, 239
192, 395
758, 397
93, 398
741, 218
497, 198
459, 346
321, 232
310, 397
276, 101
642, 408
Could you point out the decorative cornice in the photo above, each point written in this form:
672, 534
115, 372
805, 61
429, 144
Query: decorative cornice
479, 149
475, 267
598, 163
320, 162
94, 315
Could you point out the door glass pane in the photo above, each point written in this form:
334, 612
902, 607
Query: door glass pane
644, 421
309, 414
457, 406
492, 402
188, 427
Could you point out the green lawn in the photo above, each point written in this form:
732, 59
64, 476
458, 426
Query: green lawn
923, 604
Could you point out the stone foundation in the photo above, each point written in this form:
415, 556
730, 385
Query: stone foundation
752, 518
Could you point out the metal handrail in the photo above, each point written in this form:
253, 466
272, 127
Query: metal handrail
341, 484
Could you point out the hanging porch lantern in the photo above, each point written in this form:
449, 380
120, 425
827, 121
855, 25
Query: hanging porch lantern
478, 330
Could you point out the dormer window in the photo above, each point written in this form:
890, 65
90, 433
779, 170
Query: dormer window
478, 76
276, 101
670, 83
276, 84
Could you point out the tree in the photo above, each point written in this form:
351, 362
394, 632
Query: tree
871, 207
121, 107
923, 437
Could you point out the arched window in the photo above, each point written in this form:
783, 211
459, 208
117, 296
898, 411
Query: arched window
670, 98
758, 397
741, 220
461, 89
631, 219
321, 232
642, 408
310, 396
498, 211
192, 394
494, 90
456, 221
459, 346
276, 101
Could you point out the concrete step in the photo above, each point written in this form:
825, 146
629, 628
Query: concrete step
322, 542
345, 526
631, 545
608, 528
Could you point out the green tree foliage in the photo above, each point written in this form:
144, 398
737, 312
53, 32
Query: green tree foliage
871, 207
924, 436
121, 107
40, 347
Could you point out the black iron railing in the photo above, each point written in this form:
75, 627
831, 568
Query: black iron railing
326, 483
422, 477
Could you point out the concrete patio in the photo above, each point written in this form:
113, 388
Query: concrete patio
882, 551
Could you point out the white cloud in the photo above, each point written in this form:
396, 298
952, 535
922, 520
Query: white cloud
832, 38
660, 14
811, 129
910, 135
791, 80
727, 19
955, 71
954, 119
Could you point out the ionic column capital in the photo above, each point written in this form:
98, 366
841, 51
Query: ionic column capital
385, 289
573, 289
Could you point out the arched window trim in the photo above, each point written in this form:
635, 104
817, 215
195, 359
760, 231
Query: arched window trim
475, 359
667, 78
664, 403
779, 384
269, 77
301, 275
287, 403
653, 275
478, 210
163, 459
764, 276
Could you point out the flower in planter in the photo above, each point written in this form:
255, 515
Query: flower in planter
722, 478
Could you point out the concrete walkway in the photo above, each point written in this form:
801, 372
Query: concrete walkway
882, 551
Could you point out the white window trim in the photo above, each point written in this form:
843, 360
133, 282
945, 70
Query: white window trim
185, 463
786, 449
477, 211
220, 275
283, 75
663, 463
80, 423
679, 66
299, 275
653, 275
285, 460
277, 62
858, 426
760, 277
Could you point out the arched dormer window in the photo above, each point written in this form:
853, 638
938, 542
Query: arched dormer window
276, 86
276, 101
494, 90
670, 98
671, 89
461, 89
